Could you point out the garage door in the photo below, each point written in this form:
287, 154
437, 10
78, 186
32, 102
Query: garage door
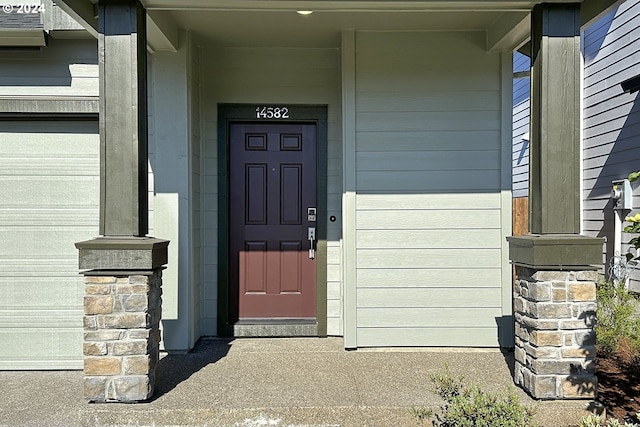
49, 195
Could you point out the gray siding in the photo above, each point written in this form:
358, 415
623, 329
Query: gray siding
270, 75
428, 209
66, 68
611, 117
521, 112
15, 20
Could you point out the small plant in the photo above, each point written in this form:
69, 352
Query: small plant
592, 420
421, 414
445, 385
618, 326
597, 421
467, 405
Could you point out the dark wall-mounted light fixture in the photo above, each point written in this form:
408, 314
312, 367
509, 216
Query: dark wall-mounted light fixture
632, 85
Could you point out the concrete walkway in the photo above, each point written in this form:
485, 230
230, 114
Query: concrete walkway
271, 382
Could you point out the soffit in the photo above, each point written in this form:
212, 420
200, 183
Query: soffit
321, 29
348, 4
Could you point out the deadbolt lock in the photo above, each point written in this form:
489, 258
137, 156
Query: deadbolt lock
311, 214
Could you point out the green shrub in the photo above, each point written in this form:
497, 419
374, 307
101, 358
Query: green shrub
618, 325
467, 405
597, 421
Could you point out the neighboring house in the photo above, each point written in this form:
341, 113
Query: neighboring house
392, 121
611, 141
521, 113
611, 121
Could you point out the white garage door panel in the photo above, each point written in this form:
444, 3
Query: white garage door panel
43, 241
29, 319
49, 167
38, 268
49, 192
64, 293
74, 133
38, 348
47, 217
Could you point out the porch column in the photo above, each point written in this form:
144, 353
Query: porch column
123, 267
554, 180
555, 265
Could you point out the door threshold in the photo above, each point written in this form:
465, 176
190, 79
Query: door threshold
275, 328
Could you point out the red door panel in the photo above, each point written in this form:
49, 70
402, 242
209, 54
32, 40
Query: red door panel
272, 184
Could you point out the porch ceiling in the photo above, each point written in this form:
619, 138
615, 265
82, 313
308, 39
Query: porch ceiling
243, 23
323, 28
265, 23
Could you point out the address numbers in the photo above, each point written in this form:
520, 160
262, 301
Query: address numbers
272, 112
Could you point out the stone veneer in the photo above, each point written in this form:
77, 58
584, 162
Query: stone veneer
555, 337
121, 335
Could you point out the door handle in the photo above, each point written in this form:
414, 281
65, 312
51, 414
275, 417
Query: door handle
311, 235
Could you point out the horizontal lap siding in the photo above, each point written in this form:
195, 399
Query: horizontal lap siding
520, 174
611, 117
64, 68
521, 113
428, 179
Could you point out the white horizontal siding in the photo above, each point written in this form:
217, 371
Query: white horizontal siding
453, 298
426, 219
334, 284
465, 336
428, 169
445, 200
424, 238
49, 185
611, 117
418, 258
427, 277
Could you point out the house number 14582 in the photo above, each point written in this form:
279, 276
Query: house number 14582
272, 113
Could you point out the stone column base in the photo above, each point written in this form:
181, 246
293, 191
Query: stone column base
555, 338
121, 335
